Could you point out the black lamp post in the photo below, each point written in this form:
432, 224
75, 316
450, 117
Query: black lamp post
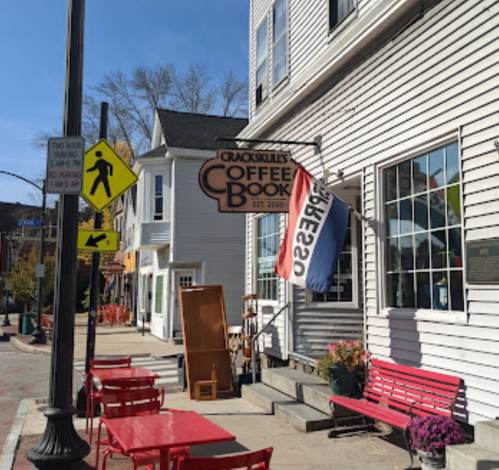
61, 447
6, 321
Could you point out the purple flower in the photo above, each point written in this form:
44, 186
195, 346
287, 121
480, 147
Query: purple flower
433, 433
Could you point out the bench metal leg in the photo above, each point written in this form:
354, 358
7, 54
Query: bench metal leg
405, 432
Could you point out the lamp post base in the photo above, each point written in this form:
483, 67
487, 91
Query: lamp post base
38, 336
60, 447
6, 322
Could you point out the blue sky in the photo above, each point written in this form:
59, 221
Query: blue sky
119, 34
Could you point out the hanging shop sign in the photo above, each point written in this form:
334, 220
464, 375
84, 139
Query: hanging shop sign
112, 268
482, 261
249, 180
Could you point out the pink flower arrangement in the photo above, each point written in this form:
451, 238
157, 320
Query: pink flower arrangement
432, 434
346, 353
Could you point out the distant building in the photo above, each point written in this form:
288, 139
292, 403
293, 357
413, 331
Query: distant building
176, 232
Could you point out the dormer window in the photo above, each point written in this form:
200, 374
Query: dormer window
261, 62
339, 10
158, 197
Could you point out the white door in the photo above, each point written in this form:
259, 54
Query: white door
183, 278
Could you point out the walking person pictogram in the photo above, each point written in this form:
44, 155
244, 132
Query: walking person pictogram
102, 167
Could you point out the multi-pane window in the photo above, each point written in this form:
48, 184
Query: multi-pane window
342, 288
424, 233
338, 10
158, 197
280, 41
158, 300
267, 247
261, 62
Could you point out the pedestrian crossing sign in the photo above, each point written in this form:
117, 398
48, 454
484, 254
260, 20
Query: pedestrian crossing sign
98, 240
105, 176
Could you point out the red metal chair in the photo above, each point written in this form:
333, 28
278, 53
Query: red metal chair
259, 460
121, 313
119, 403
94, 396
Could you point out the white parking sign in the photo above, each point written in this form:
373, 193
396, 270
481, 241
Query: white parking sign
65, 165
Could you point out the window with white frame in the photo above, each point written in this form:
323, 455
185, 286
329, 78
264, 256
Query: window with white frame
158, 197
280, 41
266, 255
343, 289
261, 62
339, 10
158, 299
424, 261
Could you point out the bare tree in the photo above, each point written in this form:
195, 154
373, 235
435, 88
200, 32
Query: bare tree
233, 96
134, 97
192, 91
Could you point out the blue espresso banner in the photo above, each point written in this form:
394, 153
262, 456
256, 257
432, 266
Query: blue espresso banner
29, 223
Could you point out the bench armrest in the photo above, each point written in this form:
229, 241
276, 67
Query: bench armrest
410, 408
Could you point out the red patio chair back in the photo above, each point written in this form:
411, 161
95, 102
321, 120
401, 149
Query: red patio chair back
121, 402
259, 460
108, 363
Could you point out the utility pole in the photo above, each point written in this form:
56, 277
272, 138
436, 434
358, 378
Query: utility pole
61, 447
6, 321
81, 397
38, 335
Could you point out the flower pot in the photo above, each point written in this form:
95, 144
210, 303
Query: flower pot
343, 382
430, 461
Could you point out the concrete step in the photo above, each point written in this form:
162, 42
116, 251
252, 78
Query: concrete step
263, 396
303, 417
487, 434
306, 388
293, 412
471, 457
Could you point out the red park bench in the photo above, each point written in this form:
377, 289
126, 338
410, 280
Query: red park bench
394, 394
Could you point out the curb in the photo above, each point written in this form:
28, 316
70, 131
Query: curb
28, 348
10, 447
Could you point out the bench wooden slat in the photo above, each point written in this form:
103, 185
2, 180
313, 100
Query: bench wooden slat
414, 394
437, 387
407, 370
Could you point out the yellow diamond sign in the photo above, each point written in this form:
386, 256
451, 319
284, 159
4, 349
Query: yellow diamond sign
105, 176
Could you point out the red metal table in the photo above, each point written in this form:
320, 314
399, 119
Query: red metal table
125, 373
164, 431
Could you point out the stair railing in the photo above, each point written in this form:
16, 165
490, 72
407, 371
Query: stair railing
253, 348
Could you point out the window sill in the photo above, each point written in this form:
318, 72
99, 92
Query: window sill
334, 305
440, 316
339, 27
280, 84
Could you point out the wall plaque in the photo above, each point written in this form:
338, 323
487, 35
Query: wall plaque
482, 261
249, 180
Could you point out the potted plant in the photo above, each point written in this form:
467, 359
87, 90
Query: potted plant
343, 366
430, 435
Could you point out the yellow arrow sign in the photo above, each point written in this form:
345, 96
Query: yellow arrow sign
98, 240
105, 176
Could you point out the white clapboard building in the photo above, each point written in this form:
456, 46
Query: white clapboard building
179, 235
404, 97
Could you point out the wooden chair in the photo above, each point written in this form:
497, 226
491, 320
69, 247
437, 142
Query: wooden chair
206, 389
94, 396
119, 403
259, 460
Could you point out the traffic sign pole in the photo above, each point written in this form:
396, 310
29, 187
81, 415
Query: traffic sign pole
60, 446
81, 397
